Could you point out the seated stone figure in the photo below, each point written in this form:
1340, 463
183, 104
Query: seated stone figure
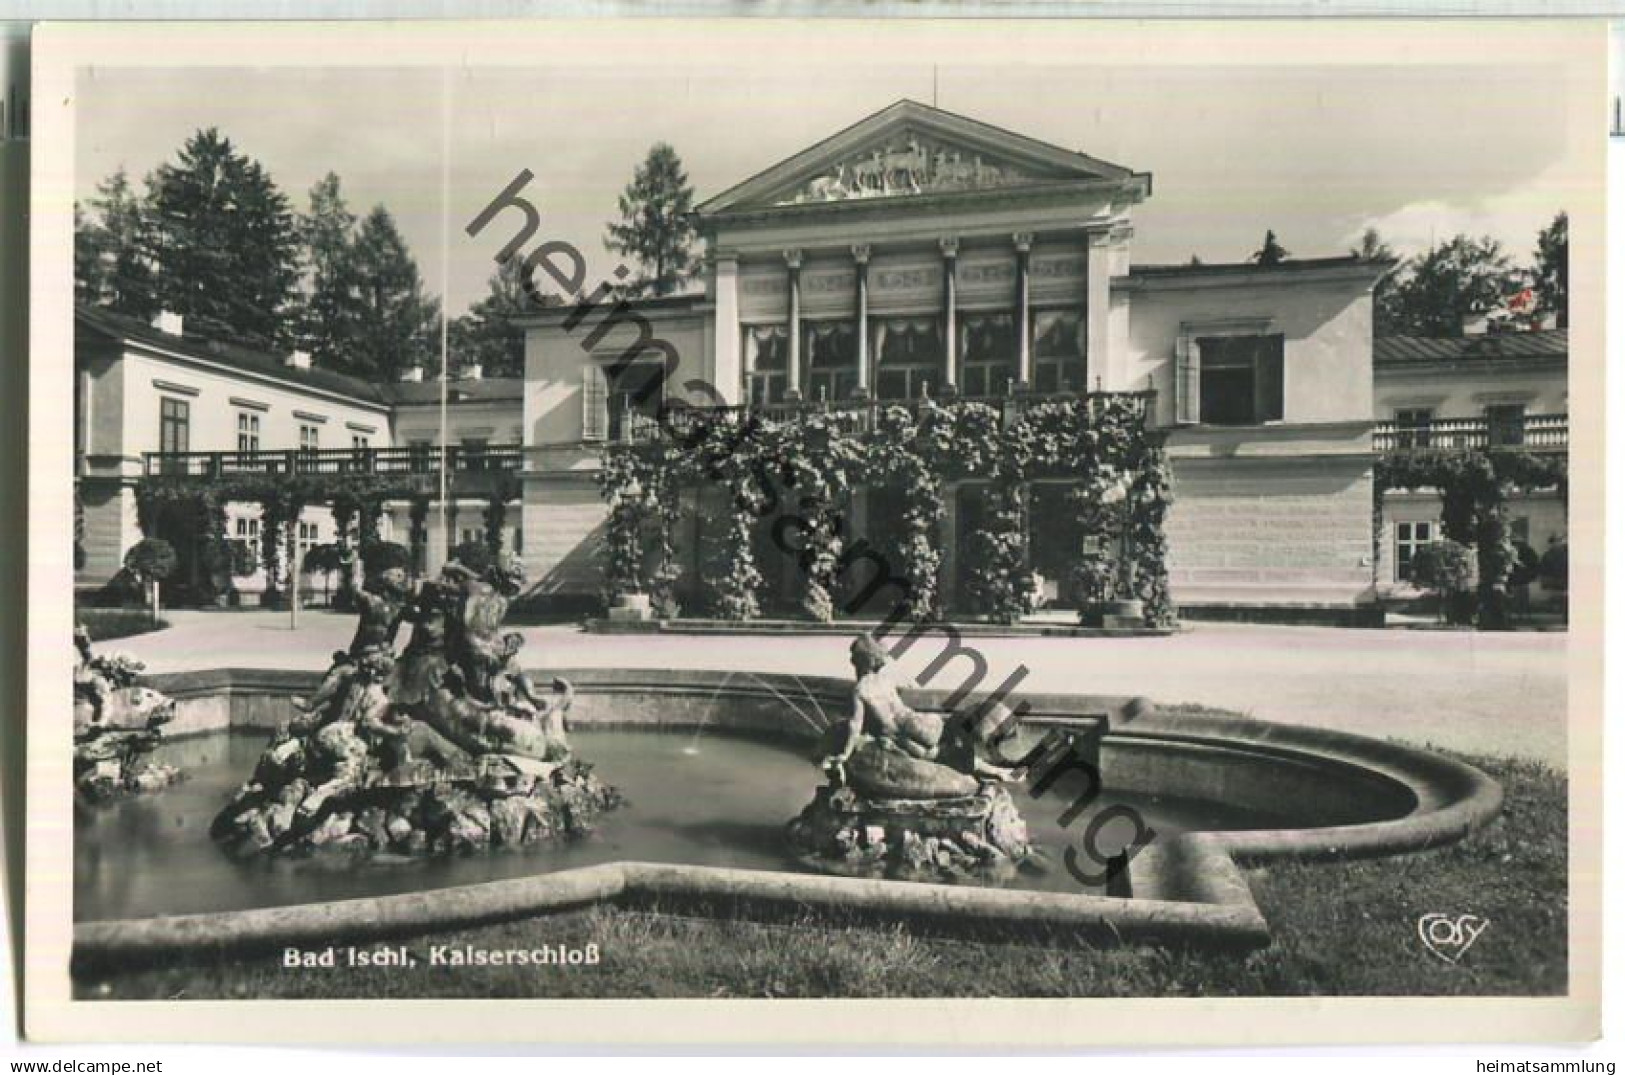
888, 749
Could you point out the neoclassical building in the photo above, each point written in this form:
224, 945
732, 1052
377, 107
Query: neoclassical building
919, 253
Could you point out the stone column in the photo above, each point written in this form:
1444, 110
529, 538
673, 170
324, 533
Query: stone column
950, 300
792, 261
1097, 309
1024, 320
727, 375
860, 258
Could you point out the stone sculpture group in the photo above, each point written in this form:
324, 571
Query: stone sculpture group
448, 746
117, 724
910, 794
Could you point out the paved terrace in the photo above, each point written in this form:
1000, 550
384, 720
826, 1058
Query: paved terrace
1490, 693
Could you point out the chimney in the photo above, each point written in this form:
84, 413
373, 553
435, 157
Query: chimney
299, 360
412, 374
471, 372
168, 322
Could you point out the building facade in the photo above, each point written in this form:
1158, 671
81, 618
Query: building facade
1487, 391
153, 403
916, 253
922, 253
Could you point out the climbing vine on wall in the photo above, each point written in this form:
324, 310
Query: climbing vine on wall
1473, 488
794, 475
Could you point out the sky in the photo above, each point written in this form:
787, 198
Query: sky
1316, 154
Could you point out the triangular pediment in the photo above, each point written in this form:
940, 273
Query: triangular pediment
907, 150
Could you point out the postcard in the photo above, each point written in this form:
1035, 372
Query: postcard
951, 533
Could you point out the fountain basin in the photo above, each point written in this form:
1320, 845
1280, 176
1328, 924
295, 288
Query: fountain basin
1225, 791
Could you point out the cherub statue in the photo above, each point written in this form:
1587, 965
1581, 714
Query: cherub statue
382, 605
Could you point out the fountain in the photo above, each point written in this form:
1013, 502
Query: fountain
448, 747
911, 795
117, 724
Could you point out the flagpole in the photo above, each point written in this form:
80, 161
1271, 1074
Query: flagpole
445, 295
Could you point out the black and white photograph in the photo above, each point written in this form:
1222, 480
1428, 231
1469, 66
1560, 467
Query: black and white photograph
762, 510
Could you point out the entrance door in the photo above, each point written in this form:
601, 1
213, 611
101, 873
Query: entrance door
1054, 541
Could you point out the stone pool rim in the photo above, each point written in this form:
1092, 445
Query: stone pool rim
1186, 889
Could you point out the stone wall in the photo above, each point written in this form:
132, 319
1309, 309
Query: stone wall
1282, 531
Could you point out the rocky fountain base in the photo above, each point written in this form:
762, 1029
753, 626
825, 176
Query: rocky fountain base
449, 747
977, 837
497, 801
117, 724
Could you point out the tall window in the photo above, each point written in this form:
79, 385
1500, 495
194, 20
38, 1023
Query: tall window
174, 425
360, 442
908, 357
636, 394
767, 363
310, 437
248, 431
1059, 340
1505, 422
1409, 538
1240, 379
987, 354
307, 538
832, 360
1413, 427
174, 431
245, 548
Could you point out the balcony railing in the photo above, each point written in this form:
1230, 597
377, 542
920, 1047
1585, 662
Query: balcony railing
404, 461
1536, 432
637, 428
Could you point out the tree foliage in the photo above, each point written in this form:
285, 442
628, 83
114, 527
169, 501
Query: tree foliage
111, 260
1552, 270
487, 335
1272, 252
656, 232
1438, 292
212, 238
396, 324
223, 243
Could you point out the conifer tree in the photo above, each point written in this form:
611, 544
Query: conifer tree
655, 232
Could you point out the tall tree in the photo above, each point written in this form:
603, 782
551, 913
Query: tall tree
225, 242
655, 231
328, 321
1272, 252
112, 263
1436, 293
396, 324
1372, 248
1552, 270
487, 334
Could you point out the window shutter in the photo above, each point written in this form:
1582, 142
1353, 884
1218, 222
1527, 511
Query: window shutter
594, 403
1271, 380
1187, 380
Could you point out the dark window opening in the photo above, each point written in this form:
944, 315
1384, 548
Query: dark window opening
1505, 421
988, 360
908, 357
832, 360
1241, 379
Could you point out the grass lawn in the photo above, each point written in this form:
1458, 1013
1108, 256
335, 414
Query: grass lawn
1340, 929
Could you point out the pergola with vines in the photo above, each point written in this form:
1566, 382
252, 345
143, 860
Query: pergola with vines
792, 470
197, 505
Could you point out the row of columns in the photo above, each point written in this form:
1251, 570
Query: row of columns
949, 248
